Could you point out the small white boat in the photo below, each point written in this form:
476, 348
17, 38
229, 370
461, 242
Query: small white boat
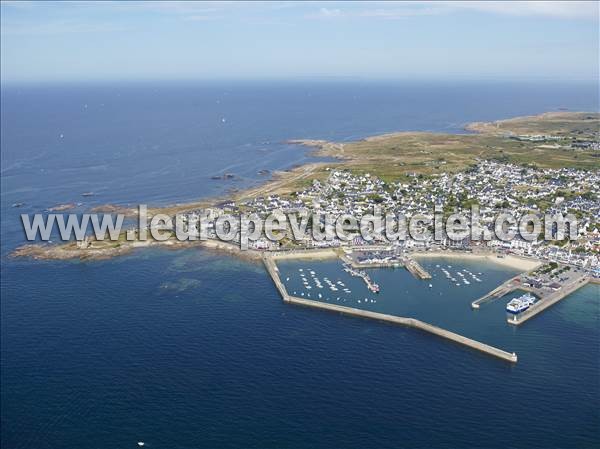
141, 443
430, 285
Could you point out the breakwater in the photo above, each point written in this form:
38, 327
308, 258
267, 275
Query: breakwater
503, 289
549, 300
545, 297
273, 271
410, 322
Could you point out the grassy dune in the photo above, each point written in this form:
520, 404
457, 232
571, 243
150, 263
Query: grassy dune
391, 157
394, 156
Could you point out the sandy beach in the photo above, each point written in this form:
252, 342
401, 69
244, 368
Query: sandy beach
510, 260
325, 253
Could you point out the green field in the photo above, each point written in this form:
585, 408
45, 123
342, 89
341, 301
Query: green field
395, 156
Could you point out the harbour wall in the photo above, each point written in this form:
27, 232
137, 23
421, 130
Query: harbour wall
410, 322
273, 271
548, 301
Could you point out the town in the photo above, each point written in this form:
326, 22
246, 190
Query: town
493, 186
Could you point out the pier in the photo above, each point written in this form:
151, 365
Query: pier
274, 272
410, 322
354, 264
549, 300
349, 259
372, 286
545, 296
416, 269
503, 289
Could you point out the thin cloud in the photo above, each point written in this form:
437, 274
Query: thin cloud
200, 18
559, 9
58, 27
326, 12
390, 10
394, 10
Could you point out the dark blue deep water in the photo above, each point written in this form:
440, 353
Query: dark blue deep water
194, 349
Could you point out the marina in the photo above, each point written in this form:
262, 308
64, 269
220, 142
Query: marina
372, 286
358, 309
461, 277
383, 258
312, 285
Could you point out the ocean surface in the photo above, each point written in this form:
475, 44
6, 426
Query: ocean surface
195, 349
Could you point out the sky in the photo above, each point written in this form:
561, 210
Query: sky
89, 41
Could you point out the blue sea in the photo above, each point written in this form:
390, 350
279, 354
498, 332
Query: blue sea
195, 349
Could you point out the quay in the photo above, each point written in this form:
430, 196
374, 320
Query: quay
413, 267
548, 300
503, 289
416, 269
545, 296
358, 265
364, 276
348, 257
270, 265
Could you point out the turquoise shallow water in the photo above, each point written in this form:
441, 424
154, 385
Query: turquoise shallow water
90, 365
192, 349
444, 304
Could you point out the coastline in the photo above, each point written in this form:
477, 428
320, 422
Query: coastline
357, 155
325, 253
230, 248
510, 260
